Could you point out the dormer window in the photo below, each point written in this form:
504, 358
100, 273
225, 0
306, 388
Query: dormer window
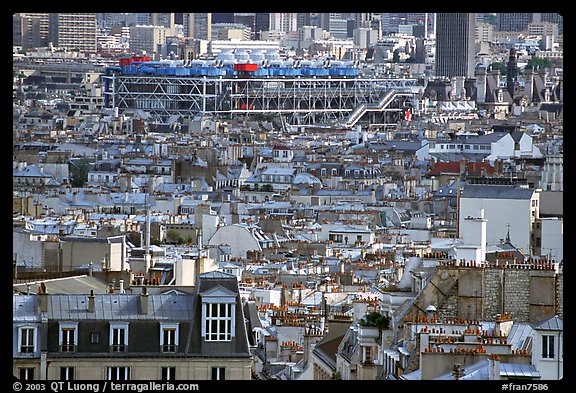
118, 337
27, 339
68, 337
218, 314
169, 337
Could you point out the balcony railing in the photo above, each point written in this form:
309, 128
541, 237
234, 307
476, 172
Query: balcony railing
118, 348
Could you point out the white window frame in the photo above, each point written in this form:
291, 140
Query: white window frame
212, 312
546, 340
68, 326
68, 369
169, 375
219, 371
173, 327
21, 330
28, 371
112, 343
218, 297
118, 370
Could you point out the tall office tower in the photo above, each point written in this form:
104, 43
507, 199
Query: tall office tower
147, 39
247, 19
335, 23
363, 19
517, 21
422, 18
17, 31
165, 19
74, 31
552, 18
389, 22
455, 46
31, 30
198, 25
113, 19
284, 21
261, 23
223, 17
141, 18
303, 19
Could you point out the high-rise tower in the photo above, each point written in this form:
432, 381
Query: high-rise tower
455, 46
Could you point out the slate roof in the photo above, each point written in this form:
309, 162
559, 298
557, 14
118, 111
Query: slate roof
69, 285
496, 192
120, 307
554, 323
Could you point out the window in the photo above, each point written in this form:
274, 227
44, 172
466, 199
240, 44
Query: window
119, 337
218, 373
94, 338
169, 337
548, 347
117, 373
68, 337
218, 322
168, 373
27, 340
66, 373
26, 373
218, 314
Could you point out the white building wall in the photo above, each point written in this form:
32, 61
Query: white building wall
550, 369
503, 148
237, 237
499, 213
26, 250
553, 238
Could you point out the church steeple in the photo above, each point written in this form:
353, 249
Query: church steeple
512, 73
508, 234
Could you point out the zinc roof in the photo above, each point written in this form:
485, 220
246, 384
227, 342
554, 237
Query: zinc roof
125, 307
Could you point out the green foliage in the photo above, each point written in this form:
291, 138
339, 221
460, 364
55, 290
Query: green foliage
538, 64
375, 319
499, 66
79, 172
172, 236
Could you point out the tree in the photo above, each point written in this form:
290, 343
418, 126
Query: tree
79, 172
499, 66
541, 64
172, 236
375, 319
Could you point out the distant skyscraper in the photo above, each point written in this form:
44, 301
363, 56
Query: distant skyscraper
74, 31
261, 23
284, 21
198, 25
31, 30
455, 46
147, 39
513, 21
165, 19
223, 17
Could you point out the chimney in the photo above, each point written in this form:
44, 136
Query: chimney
121, 286
42, 298
91, 301
144, 301
494, 368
